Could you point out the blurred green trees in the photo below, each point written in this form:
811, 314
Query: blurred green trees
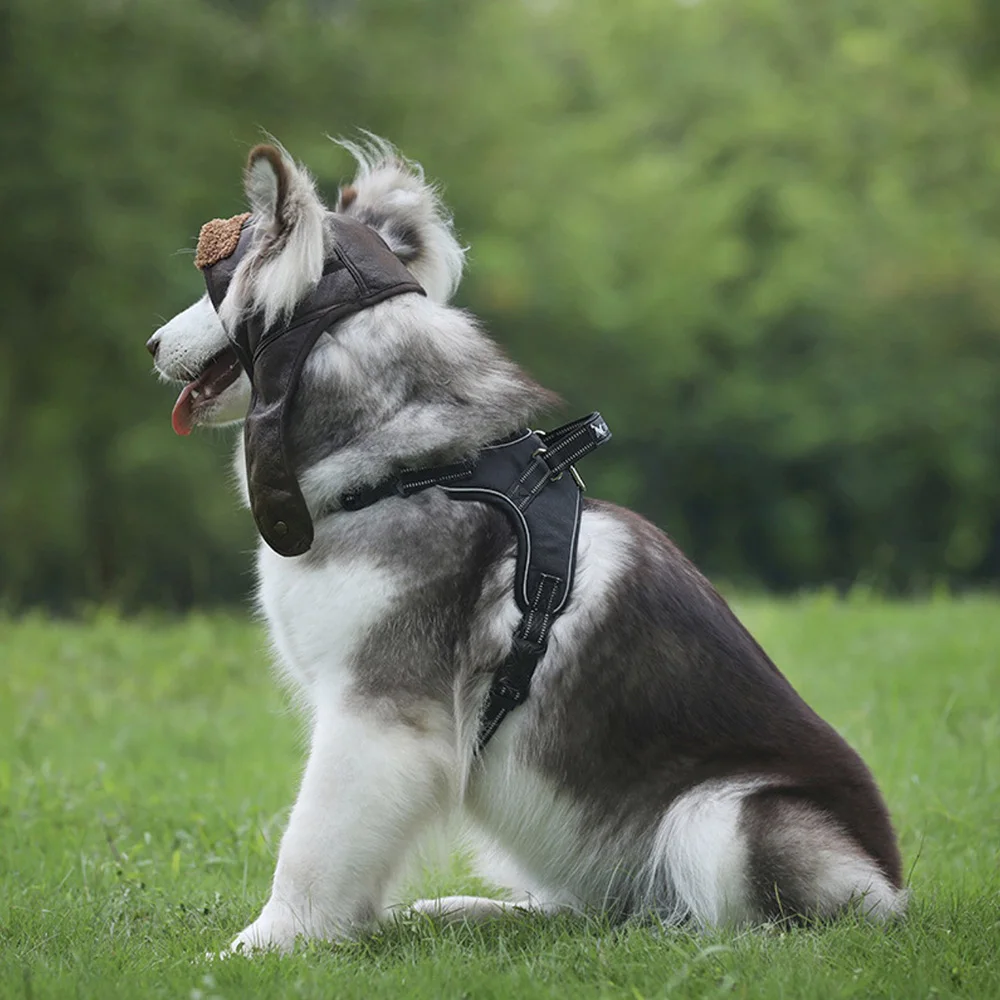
760, 235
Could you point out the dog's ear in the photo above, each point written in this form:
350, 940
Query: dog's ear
288, 246
266, 182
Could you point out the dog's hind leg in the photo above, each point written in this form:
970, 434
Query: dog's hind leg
697, 866
369, 786
496, 865
478, 909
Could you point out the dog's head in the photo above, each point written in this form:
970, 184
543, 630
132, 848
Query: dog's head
291, 245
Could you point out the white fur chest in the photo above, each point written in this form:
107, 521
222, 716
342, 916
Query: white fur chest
318, 615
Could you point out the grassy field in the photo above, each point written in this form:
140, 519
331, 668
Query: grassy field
146, 769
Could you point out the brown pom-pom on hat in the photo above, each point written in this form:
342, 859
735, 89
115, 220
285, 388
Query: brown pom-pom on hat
217, 240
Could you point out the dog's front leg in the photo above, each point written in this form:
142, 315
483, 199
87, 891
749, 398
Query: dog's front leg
370, 783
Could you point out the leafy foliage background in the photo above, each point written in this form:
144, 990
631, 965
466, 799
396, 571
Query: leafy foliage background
759, 235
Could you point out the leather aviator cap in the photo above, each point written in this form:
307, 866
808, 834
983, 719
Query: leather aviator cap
363, 272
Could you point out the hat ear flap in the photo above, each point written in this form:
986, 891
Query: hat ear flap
266, 182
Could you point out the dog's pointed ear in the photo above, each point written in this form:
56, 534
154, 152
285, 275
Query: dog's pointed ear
266, 182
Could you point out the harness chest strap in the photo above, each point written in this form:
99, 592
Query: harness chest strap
525, 477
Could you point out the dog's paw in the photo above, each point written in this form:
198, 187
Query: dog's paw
270, 932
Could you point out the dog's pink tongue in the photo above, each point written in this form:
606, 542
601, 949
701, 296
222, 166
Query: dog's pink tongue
180, 418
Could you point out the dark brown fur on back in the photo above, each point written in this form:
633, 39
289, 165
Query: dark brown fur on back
690, 697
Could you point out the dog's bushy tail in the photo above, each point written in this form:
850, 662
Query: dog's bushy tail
726, 855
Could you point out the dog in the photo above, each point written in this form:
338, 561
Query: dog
661, 767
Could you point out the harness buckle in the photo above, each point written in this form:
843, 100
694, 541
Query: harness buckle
541, 451
510, 692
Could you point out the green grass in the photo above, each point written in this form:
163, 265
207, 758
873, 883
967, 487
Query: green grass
146, 769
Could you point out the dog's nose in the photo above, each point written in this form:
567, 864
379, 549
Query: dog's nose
152, 344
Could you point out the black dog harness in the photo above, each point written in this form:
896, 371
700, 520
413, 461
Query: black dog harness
524, 475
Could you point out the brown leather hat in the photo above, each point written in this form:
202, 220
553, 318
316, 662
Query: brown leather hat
363, 272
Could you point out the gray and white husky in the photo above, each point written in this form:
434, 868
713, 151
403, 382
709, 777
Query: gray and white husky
662, 765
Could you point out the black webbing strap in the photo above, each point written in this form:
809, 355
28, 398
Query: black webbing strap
406, 484
525, 476
512, 682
